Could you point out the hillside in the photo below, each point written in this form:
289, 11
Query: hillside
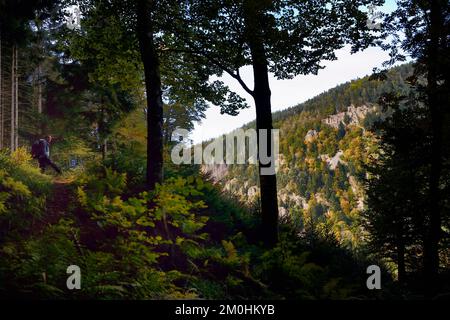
324, 145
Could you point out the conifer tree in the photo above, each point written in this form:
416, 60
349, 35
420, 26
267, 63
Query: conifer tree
420, 29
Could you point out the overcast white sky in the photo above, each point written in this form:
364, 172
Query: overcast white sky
286, 93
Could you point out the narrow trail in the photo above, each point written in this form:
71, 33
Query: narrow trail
61, 204
58, 202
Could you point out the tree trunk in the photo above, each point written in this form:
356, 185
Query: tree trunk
262, 97
150, 59
2, 129
39, 90
40, 84
401, 261
104, 149
13, 89
16, 99
433, 236
268, 183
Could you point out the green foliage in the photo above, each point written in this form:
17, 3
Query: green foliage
72, 148
38, 266
119, 66
304, 270
170, 203
146, 225
162, 245
23, 190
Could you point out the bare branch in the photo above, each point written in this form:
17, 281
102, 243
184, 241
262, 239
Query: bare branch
236, 75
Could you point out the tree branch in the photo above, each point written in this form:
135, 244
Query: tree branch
235, 75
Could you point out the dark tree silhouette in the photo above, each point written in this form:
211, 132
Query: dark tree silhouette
425, 25
145, 31
396, 184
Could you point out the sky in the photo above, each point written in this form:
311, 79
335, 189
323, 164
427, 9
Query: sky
287, 93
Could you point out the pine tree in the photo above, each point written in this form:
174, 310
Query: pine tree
395, 185
426, 26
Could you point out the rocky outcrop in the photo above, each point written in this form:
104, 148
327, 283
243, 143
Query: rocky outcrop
216, 171
286, 197
311, 135
283, 212
353, 116
357, 189
334, 161
253, 193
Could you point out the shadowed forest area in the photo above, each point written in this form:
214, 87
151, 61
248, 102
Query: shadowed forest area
93, 94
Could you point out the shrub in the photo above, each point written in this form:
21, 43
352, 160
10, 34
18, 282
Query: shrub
23, 191
146, 226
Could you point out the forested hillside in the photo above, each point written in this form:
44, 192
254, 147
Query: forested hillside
325, 144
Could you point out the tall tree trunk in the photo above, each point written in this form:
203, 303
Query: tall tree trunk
433, 236
39, 90
401, 268
104, 149
13, 111
40, 99
145, 32
16, 99
102, 130
262, 97
2, 128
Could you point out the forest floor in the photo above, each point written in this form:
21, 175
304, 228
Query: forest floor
57, 205
62, 204
60, 198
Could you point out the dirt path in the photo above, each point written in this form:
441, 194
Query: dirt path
56, 205
60, 199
